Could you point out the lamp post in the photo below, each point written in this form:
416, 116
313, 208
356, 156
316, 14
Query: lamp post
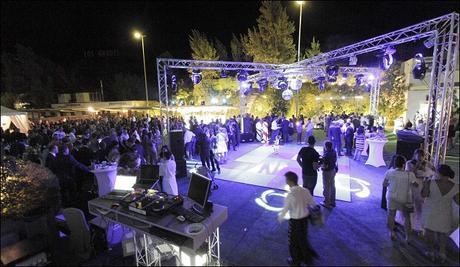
300, 3
140, 36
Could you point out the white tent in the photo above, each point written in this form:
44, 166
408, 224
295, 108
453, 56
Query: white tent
18, 118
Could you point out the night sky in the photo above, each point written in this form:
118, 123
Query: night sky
63, 31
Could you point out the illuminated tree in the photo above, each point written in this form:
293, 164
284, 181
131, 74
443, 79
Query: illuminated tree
392, 102
313, 50
237, 49
271, 40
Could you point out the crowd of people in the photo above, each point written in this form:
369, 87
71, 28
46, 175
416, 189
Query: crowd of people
423, 194
70, 150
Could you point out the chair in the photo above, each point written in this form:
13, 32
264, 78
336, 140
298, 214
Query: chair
80, 235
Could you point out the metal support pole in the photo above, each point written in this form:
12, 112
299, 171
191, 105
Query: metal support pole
298, 59
145, 73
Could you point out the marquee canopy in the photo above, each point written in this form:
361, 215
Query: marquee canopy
18, 118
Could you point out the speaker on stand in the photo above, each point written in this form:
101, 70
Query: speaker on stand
177, 147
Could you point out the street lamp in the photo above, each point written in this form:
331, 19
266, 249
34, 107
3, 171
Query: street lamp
300, 3
140, 36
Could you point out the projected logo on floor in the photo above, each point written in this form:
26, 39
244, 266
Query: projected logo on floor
264, 200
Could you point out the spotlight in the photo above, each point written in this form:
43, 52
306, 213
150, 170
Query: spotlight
367, 87
370, 77
387, 58
173, 83
245, 88
224, 101
359, 79
196, 76
287, 94
214, 101
223, 74
353, 61
419, 70
332, 72
321, 83
282, 84
242, 75
295, 84
263, 83
429, 43
181, 103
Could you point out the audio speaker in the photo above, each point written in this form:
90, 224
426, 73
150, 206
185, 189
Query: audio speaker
181, 168
177, 144
246, 137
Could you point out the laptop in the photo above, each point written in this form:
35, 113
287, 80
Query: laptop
123, 186
150, 175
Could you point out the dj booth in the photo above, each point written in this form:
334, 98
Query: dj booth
192, 243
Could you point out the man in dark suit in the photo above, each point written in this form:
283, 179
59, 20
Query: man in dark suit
66, 173
285, 130
50, 161
335, 135
204, 147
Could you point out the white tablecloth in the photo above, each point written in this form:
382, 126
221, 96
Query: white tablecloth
105, 179
376, 152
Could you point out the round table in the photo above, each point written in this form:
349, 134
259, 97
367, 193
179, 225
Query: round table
105, 179
376, 152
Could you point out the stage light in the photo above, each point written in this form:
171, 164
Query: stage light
196, 76
318, 98
224, 101
242, 75
245, 88
370, 77
429, 43
321, 83
353, 61
367, 87
332, 72
263, 83
419, 70
359, 79
223, 74
295, 84
282, 84
387, 58
173, 83
287, 94
181, 103
343, 98
214, 101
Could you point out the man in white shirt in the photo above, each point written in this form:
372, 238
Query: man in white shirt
188, 137
296, 203
309, 129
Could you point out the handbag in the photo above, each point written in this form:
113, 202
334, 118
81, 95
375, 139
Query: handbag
316, 216
409, 206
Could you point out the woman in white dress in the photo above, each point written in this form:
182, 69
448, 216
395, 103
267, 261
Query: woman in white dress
222, 140
399, 184
437, 210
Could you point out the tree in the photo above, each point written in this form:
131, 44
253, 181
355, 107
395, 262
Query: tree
202, 48
36, 78
392, 101
221, 50
313, 50
271, 40
237, 49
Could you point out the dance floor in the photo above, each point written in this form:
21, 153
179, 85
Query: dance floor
260, 165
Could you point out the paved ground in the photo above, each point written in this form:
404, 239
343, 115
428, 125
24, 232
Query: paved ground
354, 233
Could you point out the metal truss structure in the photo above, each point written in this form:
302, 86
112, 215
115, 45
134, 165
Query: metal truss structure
443, 32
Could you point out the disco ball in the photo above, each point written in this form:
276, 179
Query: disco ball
287, 94
295, 84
